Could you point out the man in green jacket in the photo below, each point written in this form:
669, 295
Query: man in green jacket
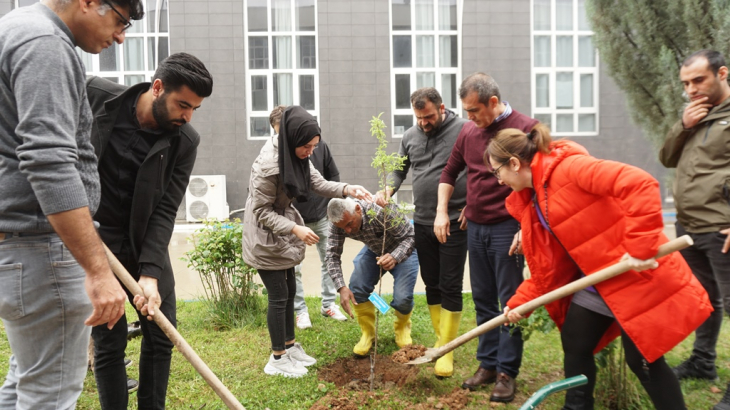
698, 147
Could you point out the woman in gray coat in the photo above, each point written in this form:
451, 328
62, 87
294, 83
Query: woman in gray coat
274, 235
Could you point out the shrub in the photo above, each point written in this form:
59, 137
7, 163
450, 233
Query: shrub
230, 292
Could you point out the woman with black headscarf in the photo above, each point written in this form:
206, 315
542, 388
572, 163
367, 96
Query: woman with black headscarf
274, 235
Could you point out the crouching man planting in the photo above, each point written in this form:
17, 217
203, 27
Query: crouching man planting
352, 219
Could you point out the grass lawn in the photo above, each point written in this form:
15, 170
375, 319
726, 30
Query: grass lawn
238, 358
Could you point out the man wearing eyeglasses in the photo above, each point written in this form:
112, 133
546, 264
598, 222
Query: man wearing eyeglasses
147, 150
494, 274
56, 280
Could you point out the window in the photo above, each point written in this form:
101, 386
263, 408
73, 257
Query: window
147, 43
564, 68
425, 53
281, 50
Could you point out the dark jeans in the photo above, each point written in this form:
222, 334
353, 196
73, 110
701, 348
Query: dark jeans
712, 268
442, 265
495, 277
154, 359
581, 333
281, 286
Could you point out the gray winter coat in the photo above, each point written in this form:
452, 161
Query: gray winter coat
270, 216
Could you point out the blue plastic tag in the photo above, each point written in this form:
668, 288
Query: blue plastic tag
379, 303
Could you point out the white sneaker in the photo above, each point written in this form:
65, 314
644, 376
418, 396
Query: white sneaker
297, 353
285, 367
333, 311
303, 321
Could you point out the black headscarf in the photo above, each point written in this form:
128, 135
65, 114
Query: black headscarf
297, 128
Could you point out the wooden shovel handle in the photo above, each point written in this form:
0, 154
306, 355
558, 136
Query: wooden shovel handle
222, 391
582, 283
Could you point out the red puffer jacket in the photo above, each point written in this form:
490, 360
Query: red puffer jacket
599, 210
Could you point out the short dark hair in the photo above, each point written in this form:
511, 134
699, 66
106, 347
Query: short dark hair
483, 84
715, 60
136, 10
275, 115
422, 95
184, 69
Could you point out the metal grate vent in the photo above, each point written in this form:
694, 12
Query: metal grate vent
198, 210
198, 187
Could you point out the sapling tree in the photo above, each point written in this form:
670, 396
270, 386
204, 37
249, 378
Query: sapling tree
385, 164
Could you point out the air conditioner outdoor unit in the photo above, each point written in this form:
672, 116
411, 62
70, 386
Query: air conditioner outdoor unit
206, 198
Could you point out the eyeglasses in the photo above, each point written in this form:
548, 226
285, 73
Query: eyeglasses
495, 171
127, 23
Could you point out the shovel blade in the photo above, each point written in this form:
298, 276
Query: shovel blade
430, 355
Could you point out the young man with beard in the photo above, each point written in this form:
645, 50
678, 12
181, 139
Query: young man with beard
146, 151
697, 147
427, 147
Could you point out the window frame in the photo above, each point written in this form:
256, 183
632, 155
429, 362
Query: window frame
270, 71
95, 68
413, 70
553, 70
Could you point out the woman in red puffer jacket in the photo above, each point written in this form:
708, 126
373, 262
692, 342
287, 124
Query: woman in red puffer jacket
579, 214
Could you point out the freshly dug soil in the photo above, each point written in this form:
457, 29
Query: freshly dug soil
408, 353
355, 373
352, 377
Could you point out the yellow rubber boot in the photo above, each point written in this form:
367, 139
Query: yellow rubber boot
435, 311
449, 328
365, 314
402, 326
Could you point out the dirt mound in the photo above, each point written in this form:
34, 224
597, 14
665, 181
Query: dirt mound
408, 353
355, 373
456, 400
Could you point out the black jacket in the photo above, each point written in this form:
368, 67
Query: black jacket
161, 180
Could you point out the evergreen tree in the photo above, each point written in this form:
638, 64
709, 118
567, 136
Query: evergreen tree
643, 44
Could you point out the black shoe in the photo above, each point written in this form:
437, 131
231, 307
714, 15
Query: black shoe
132, 385
577, 400
692, 368
127, 362
724, 404
133, 330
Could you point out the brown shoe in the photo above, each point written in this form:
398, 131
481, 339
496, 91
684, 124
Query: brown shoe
482, 377
504, 389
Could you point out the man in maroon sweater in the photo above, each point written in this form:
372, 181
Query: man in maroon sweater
494, 274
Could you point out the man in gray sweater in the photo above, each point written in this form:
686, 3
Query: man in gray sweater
56, 280
428, 146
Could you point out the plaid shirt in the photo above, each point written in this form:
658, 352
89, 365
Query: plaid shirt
399, 243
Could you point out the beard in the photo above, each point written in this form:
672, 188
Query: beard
434, 129
162, 115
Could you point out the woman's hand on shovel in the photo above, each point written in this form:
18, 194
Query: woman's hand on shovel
512, 316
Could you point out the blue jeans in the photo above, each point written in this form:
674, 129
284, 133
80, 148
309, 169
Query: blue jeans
495, 277
367, 274
43, 304
329, 293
